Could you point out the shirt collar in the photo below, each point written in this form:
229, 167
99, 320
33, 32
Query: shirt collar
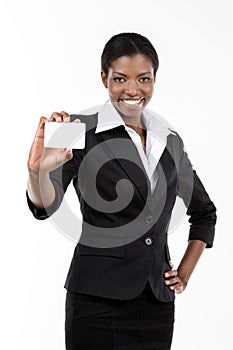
109, 118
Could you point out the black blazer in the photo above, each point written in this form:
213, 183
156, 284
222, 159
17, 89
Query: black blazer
124, 245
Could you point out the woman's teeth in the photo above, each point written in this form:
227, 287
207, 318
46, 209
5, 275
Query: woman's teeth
132, 102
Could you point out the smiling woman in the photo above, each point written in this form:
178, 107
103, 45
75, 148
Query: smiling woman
130, 92
129, 66
122, 297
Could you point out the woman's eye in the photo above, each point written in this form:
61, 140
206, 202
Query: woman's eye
144, 79
119, 79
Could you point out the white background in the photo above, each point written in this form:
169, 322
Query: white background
50, 61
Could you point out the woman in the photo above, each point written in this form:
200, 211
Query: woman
121, 282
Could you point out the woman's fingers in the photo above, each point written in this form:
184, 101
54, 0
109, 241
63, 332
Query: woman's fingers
170, 264
175, 284
59, 117
173, 281
77, 121
45, 158
63, 157
69, 154
178, 287
65, 116
53, 158
170, 273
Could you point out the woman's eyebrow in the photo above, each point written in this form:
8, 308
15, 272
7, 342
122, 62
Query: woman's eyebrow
119, 73
144, 73
124, 75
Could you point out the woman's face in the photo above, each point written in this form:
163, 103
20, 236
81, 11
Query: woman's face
130, 83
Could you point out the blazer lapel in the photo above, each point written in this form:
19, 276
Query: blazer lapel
122, 148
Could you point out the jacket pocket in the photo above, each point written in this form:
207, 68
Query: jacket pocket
116, 252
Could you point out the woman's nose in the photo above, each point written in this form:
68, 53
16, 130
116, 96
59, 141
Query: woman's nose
131, 88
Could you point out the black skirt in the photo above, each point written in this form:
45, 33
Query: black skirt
98, 323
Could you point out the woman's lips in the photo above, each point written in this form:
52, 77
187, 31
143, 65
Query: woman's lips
132, 102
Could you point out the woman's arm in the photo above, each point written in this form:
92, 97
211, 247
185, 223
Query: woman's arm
202, 212
178, 279
40, 189
42, 161
50, 171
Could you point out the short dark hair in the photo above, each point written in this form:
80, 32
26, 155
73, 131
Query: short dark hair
128, 44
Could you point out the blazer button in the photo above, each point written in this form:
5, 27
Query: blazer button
149, 219
148, 240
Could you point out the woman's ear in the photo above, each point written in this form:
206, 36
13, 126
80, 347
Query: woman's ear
104, 79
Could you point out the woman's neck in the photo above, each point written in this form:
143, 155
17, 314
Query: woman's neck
134, 121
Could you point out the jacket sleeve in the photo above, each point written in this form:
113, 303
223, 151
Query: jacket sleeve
61, 178
200, 208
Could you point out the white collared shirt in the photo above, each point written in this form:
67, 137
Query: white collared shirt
156, 139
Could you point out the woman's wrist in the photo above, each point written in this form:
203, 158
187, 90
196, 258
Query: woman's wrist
184, 277
190, 259
40, 189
